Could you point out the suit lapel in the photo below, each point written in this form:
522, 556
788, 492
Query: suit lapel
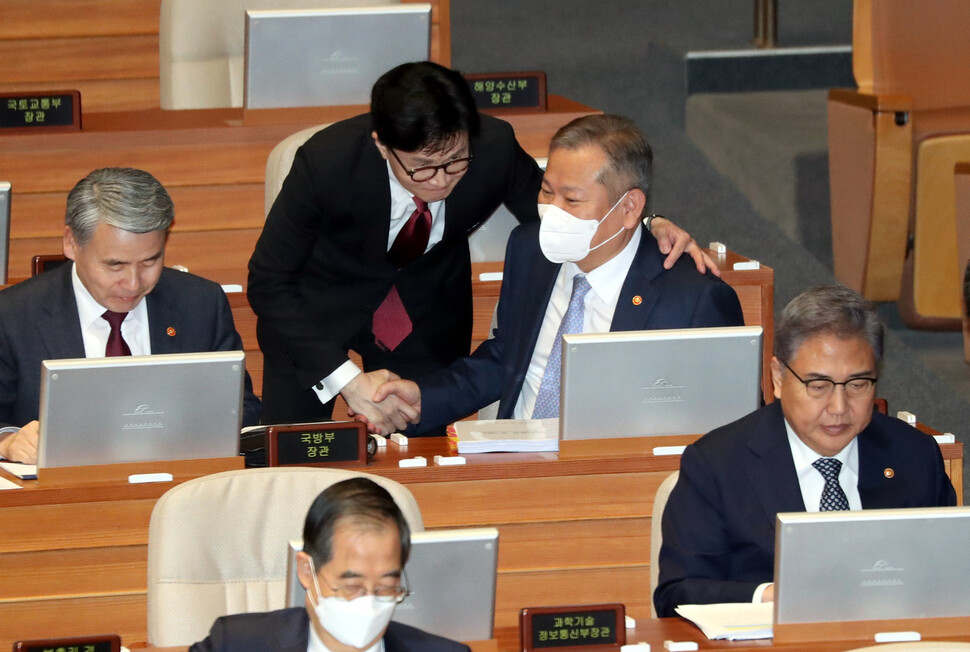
876, 490
163, 324
772, 468
62, 338
637, 298
372, 203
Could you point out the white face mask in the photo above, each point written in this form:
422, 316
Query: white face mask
563, 237
355, 622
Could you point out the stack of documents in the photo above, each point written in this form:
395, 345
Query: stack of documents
505, 435
739, 621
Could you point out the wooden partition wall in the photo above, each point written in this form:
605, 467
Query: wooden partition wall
108, 49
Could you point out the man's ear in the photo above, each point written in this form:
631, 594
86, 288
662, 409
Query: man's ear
380, 146
777, 373
304, 570
69, 244
632, 206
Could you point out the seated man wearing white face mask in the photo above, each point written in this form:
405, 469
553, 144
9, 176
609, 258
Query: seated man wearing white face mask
355, 543
589, 266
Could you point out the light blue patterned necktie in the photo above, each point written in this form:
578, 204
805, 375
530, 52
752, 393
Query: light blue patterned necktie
547, 400
833, 498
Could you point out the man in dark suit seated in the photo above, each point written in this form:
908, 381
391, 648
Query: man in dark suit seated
590, 266
366, 246
115, 298
818, 447
355, 545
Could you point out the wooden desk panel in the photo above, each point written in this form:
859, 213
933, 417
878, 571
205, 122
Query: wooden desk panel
572, 530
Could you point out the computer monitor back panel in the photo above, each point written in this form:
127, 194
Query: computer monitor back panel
451, 578
140, 408
659, 382
4, 229
326, 57
872, 565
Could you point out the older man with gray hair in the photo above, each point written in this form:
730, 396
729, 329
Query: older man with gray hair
818, 447
114, 297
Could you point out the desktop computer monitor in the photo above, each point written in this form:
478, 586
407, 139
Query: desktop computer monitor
4, 230
658, 382
140, 408
872, 564
325, 57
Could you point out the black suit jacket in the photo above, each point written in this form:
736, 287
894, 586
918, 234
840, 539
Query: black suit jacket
39, 321
288, 630
320, 267
675, 298
719, 523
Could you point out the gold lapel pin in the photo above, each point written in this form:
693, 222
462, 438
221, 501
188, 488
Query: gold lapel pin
170, 331
888, 472
637, 300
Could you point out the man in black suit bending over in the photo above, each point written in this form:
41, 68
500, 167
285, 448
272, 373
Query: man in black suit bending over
355, 545
114, 298
818, 447
366, 246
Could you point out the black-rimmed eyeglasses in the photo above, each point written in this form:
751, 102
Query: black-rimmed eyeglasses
823, 387
427, 172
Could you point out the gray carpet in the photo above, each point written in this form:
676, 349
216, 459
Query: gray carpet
600, 54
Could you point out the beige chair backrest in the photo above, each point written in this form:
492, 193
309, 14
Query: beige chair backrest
280, 161
907, 47
201, 46
656, 533
217, 545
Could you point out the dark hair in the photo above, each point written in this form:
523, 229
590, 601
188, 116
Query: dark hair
629, 157
827, 310
360, 501
422, 107
129, 199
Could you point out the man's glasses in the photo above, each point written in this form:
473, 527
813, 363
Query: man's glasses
348, 592
427, 172
823, 387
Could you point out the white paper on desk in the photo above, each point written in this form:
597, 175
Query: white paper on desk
734, 621
7, 484
507, 435
22, 471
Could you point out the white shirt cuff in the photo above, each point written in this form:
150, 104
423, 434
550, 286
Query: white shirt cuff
330, 386
760, 592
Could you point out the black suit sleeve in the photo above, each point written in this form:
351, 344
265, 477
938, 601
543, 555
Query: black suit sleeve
282, 257
524, 183
695, 558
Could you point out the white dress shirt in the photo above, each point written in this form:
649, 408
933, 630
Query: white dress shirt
95, 329
605, 282
402, 207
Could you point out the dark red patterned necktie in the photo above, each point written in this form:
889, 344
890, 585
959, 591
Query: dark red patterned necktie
116, 343
413, 238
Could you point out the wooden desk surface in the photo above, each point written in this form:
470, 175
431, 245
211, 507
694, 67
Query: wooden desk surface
76, 554
656, 631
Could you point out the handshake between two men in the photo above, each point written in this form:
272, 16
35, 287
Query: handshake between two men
383, 400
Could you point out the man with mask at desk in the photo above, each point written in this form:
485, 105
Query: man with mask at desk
590, 266
355, 545
113, 297
819, 447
